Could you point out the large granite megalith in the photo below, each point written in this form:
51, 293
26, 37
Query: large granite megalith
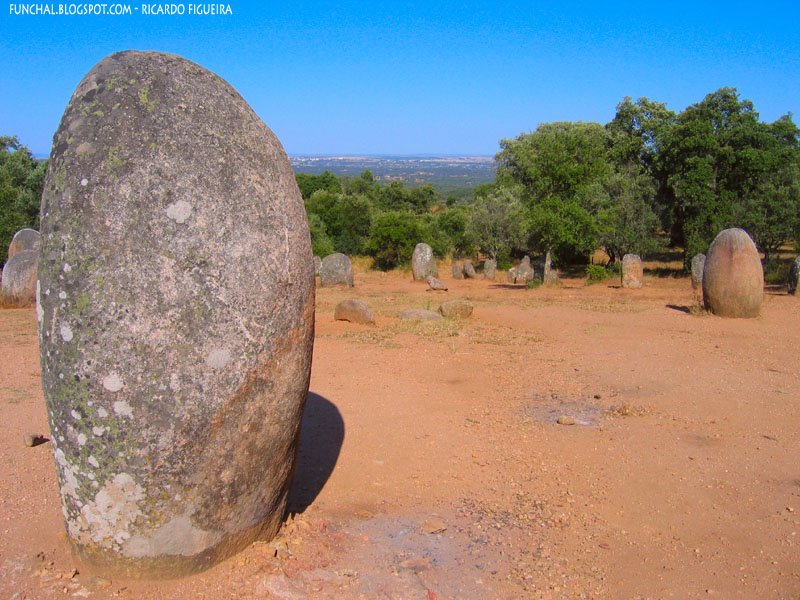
176, 317
24, 239
733, 278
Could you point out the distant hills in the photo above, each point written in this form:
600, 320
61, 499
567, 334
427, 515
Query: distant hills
444, 172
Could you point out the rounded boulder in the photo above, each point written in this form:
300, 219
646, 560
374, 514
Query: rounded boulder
176, 317
733, 278
19, 278
24, 239
354, 311
336, 269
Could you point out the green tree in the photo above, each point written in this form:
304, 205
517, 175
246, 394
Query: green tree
347, 219
309, 183
321, 244
21, 183
498, 223
392, 239
560, 169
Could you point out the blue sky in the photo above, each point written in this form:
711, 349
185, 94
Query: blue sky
420, 77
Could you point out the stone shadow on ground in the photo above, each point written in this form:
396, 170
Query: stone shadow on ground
321, 437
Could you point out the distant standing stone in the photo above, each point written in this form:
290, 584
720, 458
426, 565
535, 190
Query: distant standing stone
469, 270
176, 317
458, 271
435, 284
523, 273
698, 262
422, 262
489, 268
419, 314
733, 278
354, 311
459, 309
632, 271
19, 277
794, 276
317, 264
24, 239
336, 269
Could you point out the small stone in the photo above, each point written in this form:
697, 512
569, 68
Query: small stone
435, 284
416, 564
354, 311
34, 439
565, 420
632, 271
336, 269
458, 271
457, 309
434, 525
419, 314
422, 262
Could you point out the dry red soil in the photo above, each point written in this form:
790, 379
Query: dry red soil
432, 464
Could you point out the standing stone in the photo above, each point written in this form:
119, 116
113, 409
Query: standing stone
317, 264
794, 276
469, 270
733, 278
19, 278
176, 317
458, 271
456, 309
354, 311
523, 273
435, 284
489, 268
336, 269
698, 263
632, 271
422, 262
24, 239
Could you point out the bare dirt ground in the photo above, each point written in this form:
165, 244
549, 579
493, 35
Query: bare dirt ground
432, 464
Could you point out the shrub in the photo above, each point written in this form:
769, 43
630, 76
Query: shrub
597, 273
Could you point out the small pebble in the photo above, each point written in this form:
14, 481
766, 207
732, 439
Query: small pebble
566, 420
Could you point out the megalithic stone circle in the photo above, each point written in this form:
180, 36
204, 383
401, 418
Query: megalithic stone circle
176, 317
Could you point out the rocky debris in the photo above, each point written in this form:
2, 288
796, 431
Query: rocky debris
469, 270
456, 309
698, 263
18, 283
522, 273
24, 239
794, 276
489, 268
733, 278
354, 311
317, 264
435, 284
423, 263
177, 293
336, 269
632, 271
419, 314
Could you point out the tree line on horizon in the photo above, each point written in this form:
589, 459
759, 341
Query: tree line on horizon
647, 178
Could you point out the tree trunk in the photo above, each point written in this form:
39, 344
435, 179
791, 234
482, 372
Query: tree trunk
548, 265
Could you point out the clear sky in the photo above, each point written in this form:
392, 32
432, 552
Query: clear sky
435, 77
